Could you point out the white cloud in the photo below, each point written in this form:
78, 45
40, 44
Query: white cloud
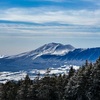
41, 15
78, 22
24, 30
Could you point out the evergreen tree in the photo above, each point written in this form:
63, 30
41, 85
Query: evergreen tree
71, 72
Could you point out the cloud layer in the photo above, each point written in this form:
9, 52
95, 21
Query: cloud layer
41, 15
40, 21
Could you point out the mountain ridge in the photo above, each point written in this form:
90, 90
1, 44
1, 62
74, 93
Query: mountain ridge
47, 49
49, 55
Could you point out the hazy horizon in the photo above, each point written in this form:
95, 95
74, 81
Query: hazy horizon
28, 24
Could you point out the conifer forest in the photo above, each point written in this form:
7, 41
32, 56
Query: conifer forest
81, 84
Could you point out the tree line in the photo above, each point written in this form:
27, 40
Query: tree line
83, 84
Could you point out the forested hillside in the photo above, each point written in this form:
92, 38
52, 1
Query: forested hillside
83, 84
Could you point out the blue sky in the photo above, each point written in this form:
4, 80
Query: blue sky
28, 24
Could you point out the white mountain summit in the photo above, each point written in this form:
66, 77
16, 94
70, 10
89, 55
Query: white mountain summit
51, 48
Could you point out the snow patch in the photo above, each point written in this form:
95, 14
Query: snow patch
8, 76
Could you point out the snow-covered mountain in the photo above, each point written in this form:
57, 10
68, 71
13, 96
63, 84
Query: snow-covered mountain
30, 60
56, 56
49, 55
51, 48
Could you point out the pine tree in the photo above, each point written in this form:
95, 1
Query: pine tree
71, 72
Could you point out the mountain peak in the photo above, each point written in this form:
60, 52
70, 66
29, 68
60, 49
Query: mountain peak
59, 44
53, 43
56, 48
50, 48
52, 54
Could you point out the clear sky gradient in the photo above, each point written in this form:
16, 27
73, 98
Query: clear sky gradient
27, 24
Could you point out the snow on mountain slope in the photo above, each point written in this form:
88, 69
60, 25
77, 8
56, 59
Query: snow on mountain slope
49, 55
51, 48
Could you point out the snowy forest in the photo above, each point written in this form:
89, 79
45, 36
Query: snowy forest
81, 84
